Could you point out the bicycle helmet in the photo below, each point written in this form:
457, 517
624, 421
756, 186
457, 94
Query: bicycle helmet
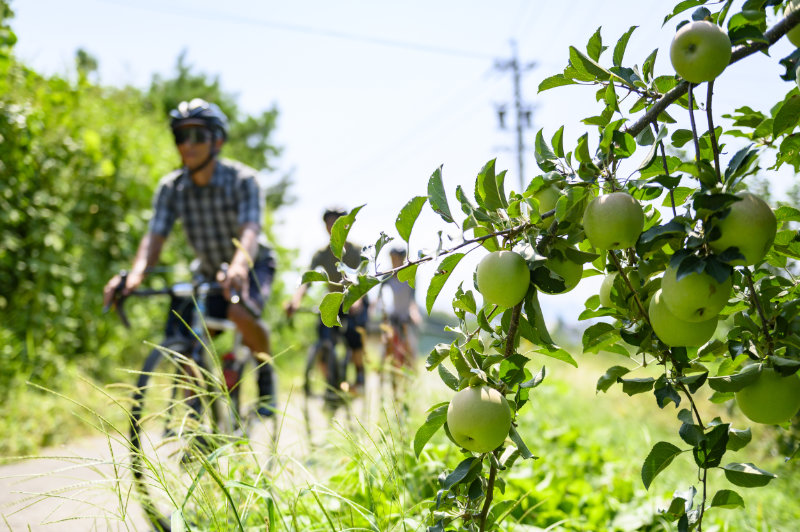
202, 113
333, 212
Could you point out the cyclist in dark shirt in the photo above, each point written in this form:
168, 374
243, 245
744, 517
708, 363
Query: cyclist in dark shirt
356, 318
221, 206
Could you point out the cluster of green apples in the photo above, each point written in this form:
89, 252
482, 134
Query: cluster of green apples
683, 312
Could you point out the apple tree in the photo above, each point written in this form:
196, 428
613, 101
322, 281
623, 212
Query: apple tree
663, 212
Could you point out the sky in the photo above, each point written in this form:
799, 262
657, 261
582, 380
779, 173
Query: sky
375, 96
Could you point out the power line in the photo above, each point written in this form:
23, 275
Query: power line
216, 17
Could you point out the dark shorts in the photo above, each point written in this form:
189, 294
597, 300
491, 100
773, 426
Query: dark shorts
350, 329
261, 276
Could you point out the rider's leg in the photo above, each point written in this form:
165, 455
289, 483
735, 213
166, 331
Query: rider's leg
255, 334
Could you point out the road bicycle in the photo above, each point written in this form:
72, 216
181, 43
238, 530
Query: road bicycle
325, 373
398, 354
187, 403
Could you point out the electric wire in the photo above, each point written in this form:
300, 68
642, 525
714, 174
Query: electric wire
217, 17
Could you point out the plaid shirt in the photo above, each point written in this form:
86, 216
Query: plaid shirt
212, 215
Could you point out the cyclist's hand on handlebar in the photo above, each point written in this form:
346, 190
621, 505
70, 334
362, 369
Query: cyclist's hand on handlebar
290, 307
234, 280
115, 287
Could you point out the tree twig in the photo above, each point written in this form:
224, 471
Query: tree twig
711, 133
512, 330
489, 496
740, 52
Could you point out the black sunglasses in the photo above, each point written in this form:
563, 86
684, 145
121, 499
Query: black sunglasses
195, 135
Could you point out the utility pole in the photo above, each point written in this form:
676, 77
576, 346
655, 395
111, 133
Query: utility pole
523, 112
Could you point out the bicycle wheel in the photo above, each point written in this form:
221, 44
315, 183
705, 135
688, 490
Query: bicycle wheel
322, 372
170, 433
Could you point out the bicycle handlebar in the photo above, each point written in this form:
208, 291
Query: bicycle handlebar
212, 288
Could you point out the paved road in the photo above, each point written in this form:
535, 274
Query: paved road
85, 486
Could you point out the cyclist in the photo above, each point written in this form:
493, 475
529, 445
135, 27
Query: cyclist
356, 318
221, 206
403, 315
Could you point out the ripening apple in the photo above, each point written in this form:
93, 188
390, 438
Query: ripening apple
697, 297
479, 418
793, 34
674, 331
613, 221
547, 197
771, 399
570, 271
750, 226
503, 278
700, 51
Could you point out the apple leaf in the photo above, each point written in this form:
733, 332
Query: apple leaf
440, 277
517, 439
738, 439
622, 43
681, 7
635, 386
727, 499
329, 309
559, 80
339, 231
450, 380
489, 188
595, 45
787, 117
558, 142
437, 197
544, 155
709, 452
553, 351
733, 383
408, 275
460, 472
313, 276
659, 458
439, 353
436, 418
610, 377
408, 216
356, 291
586, 67
784, 213
747, 475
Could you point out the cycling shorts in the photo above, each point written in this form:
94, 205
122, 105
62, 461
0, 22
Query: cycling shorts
260, 280
350, 330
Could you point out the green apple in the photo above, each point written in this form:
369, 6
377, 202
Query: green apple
613, 221
570, 271
674, 331
793, 34
479, 419
750, 226
771, 399
700, 51
697, 297
503, 278
547, 197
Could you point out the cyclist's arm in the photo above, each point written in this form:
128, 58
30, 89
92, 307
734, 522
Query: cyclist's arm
246, 251
147, 256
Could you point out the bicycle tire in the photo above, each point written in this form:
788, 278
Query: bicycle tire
170, 422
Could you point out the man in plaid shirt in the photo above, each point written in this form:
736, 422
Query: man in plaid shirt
221, 206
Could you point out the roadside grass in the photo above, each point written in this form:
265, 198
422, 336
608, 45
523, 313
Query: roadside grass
360, 472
